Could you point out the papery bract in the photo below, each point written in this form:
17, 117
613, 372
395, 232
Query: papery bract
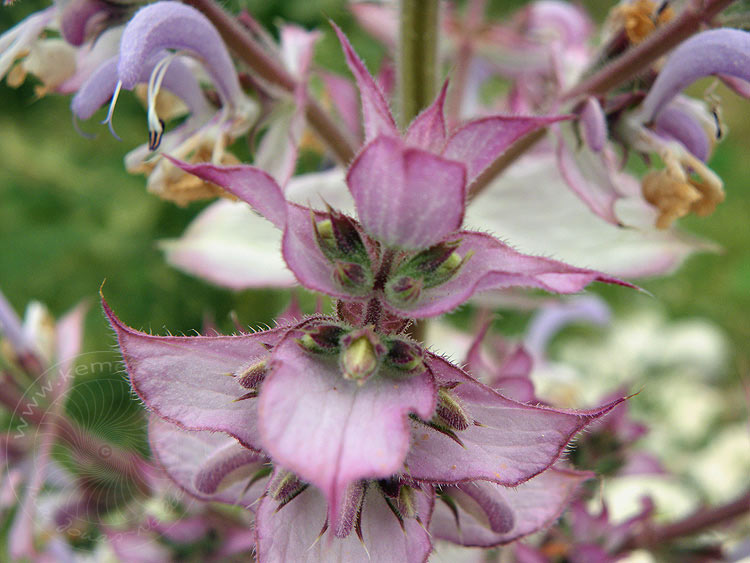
332, 432
188, 380
488, 514
299, 531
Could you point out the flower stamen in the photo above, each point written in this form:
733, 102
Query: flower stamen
111, 110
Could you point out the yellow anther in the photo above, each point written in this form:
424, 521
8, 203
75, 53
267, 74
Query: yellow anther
640, 18
673, 196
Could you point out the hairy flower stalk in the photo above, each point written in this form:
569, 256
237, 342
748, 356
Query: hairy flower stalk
418, 56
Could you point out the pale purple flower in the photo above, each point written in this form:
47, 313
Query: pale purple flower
677, 132
152, 48
346, 410
409, 194
537, 212
21, 39
230, 245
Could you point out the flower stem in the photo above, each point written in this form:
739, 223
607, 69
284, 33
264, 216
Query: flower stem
696, 522
504, 160
633, 61
374, 308
418, 57
256, 57
622, 69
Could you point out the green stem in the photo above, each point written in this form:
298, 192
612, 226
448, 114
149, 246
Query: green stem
418, 58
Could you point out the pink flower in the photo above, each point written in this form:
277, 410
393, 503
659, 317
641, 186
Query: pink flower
406, 253
359, 427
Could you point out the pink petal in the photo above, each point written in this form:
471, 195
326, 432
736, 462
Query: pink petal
69, 336
379, 20
294, 532
136, 547
248, 183
376, 114
427, 131
534, 505
495, 265
406, 197
206, 465
344, 97
331, 431
511, 443
478, 143
185, 379
185, 530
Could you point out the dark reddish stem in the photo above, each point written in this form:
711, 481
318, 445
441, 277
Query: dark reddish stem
374, 308
619, 71
699, 521
504, 160
634, 61
254, 56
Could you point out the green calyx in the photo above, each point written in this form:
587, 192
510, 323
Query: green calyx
322, 339
341, 243
404, 355
427, 269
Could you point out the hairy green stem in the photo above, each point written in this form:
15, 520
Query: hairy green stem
254, 56
418, 56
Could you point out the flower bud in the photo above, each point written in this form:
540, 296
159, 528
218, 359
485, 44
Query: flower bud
405, 289
351, 276
404, 355
284, 486
361, 354
429, 268
252, 376
323, 338
339, 239
407, 502
450, 412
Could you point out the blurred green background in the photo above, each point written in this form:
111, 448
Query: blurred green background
71, 217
